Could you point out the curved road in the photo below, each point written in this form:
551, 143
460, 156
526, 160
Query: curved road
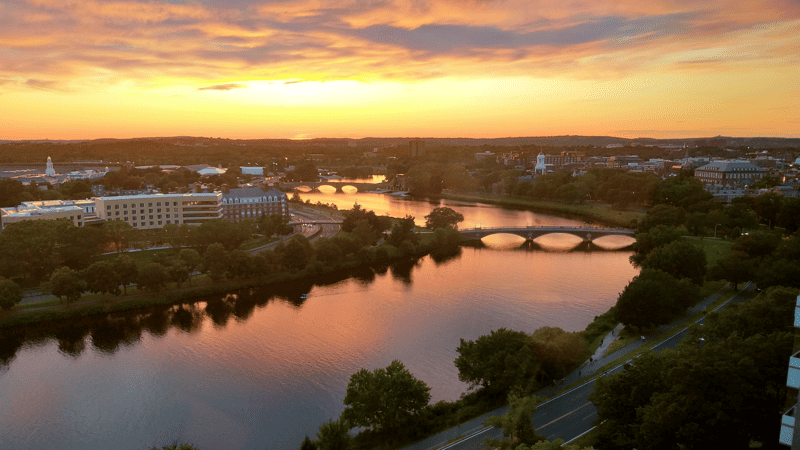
570, 414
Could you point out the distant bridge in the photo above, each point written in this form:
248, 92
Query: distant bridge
587, 234
314, 186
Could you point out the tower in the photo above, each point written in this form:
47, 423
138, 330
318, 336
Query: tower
540, 165
50, 171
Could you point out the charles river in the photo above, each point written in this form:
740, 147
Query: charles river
262, 369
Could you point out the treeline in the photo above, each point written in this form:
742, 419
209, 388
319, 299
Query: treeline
392, 407
63, 259
723, 387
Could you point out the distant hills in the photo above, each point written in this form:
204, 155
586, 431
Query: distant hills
560, 141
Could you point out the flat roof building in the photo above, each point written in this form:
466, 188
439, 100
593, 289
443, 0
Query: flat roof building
156, 210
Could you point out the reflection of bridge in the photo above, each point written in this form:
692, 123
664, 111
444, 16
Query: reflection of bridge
362, 187
587, 234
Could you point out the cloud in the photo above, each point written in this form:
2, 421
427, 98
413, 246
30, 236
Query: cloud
223, 87
44, 85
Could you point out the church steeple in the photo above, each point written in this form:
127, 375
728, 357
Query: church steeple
50, 171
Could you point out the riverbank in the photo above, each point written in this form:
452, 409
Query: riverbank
598, 213
97, 304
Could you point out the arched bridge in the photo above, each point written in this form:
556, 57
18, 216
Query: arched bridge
587, 234
362, 187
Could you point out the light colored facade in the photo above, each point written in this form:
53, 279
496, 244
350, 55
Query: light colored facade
43, 210
251, 203
730, 173
157, 210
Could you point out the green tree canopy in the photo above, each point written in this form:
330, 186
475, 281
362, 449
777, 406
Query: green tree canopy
66, 282
442, 217
516, 423
153, 277
680, 258
385, 399
216, 261
498, 361
10, 294
648, 241
101, 278
126, 270
295, 253
736, 268
655, 298
332, 435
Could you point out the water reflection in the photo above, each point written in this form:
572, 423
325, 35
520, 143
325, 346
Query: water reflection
110, 332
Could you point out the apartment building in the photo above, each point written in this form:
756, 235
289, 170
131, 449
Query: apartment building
156, 210
253, 202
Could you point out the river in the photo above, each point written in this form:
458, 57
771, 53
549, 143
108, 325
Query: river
262, 368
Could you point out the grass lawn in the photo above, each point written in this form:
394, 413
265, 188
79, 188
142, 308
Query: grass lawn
594, 211
715, 249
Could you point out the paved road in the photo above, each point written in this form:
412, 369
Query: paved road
570, 414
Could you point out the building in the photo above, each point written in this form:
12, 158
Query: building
257, 171
253, 202
156, 210
730, 173
623, 161
44, 210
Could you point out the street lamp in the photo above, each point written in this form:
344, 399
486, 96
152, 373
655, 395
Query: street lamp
715, 230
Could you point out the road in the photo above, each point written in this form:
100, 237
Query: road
324, 229
570, 414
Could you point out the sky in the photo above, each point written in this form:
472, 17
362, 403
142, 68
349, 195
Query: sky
85, 69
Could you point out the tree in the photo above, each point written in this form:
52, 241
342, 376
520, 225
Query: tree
516, 422
403, 230
240, 264
126, 270
119, 234
356, 215
295, 253
65, 282
722, 392
305, 171
191, 259
384, 399
216, 262
758, 245
101, 278
271, 225
736, 268
327, 251
308, 444
767, 206
665, 215
498, 361
333, 435
230, 235
177, 273
33, 246
557, 350
648, 241
680, 258
442, 217
153, 277
10, 294
655, 298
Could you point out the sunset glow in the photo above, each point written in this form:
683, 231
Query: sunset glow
75, 69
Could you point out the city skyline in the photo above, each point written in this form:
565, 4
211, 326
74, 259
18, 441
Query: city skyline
348, 69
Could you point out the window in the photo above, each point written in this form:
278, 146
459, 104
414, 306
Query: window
151, 218
117, 213
141, 205
151, 223
125, 206
149, 204
125, 213
158, 204
134, 223
159, 216
158, 210
167, 209
116, 206
159, 222
142, 218
174, 203
108, 206
168, 222
79, 217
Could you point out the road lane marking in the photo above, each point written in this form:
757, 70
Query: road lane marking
465, 438
565, 415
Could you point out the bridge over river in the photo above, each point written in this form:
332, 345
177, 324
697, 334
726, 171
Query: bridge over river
314, 186
587, 234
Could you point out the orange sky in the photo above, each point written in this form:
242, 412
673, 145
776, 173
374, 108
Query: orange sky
72, 69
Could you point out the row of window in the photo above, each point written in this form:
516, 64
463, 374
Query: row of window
141, 205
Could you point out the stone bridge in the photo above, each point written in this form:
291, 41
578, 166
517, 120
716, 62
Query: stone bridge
362, 187
587, 234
